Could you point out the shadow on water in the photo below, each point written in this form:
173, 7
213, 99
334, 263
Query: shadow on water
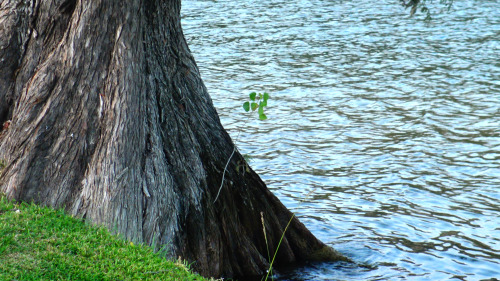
383, 133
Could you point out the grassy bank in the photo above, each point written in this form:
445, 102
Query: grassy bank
43, 244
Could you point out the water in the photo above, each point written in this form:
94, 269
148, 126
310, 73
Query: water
388, 125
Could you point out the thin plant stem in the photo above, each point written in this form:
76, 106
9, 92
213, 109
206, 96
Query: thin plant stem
227, 163
276, 252
224, 173
265, 238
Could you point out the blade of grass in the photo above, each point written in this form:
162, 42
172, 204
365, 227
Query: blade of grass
279, 244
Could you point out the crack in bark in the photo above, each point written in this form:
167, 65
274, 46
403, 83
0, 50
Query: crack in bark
67, 7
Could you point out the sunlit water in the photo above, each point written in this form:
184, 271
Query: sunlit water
388, 126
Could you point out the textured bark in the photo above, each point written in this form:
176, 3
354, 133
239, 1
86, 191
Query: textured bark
110, 119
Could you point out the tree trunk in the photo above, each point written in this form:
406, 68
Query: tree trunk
104, 114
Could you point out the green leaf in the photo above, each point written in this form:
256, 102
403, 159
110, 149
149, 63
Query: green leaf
246, 106
261, 110
262, 116
263, 103
254, 106
252, 95
266, 96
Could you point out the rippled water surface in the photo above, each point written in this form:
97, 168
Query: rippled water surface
388, 126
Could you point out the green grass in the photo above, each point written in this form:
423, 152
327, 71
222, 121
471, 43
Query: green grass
38, 243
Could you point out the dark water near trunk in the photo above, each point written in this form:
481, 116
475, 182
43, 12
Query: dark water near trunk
384, 130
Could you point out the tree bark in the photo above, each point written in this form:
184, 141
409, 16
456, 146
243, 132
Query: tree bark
106, 116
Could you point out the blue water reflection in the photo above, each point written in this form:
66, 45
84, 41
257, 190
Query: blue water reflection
388, 125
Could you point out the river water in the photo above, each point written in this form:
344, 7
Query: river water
384, 130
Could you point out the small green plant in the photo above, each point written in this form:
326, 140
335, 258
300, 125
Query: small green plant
257, 102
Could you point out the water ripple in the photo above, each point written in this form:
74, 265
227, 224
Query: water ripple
383, 134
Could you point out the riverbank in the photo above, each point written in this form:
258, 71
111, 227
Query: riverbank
38, 243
